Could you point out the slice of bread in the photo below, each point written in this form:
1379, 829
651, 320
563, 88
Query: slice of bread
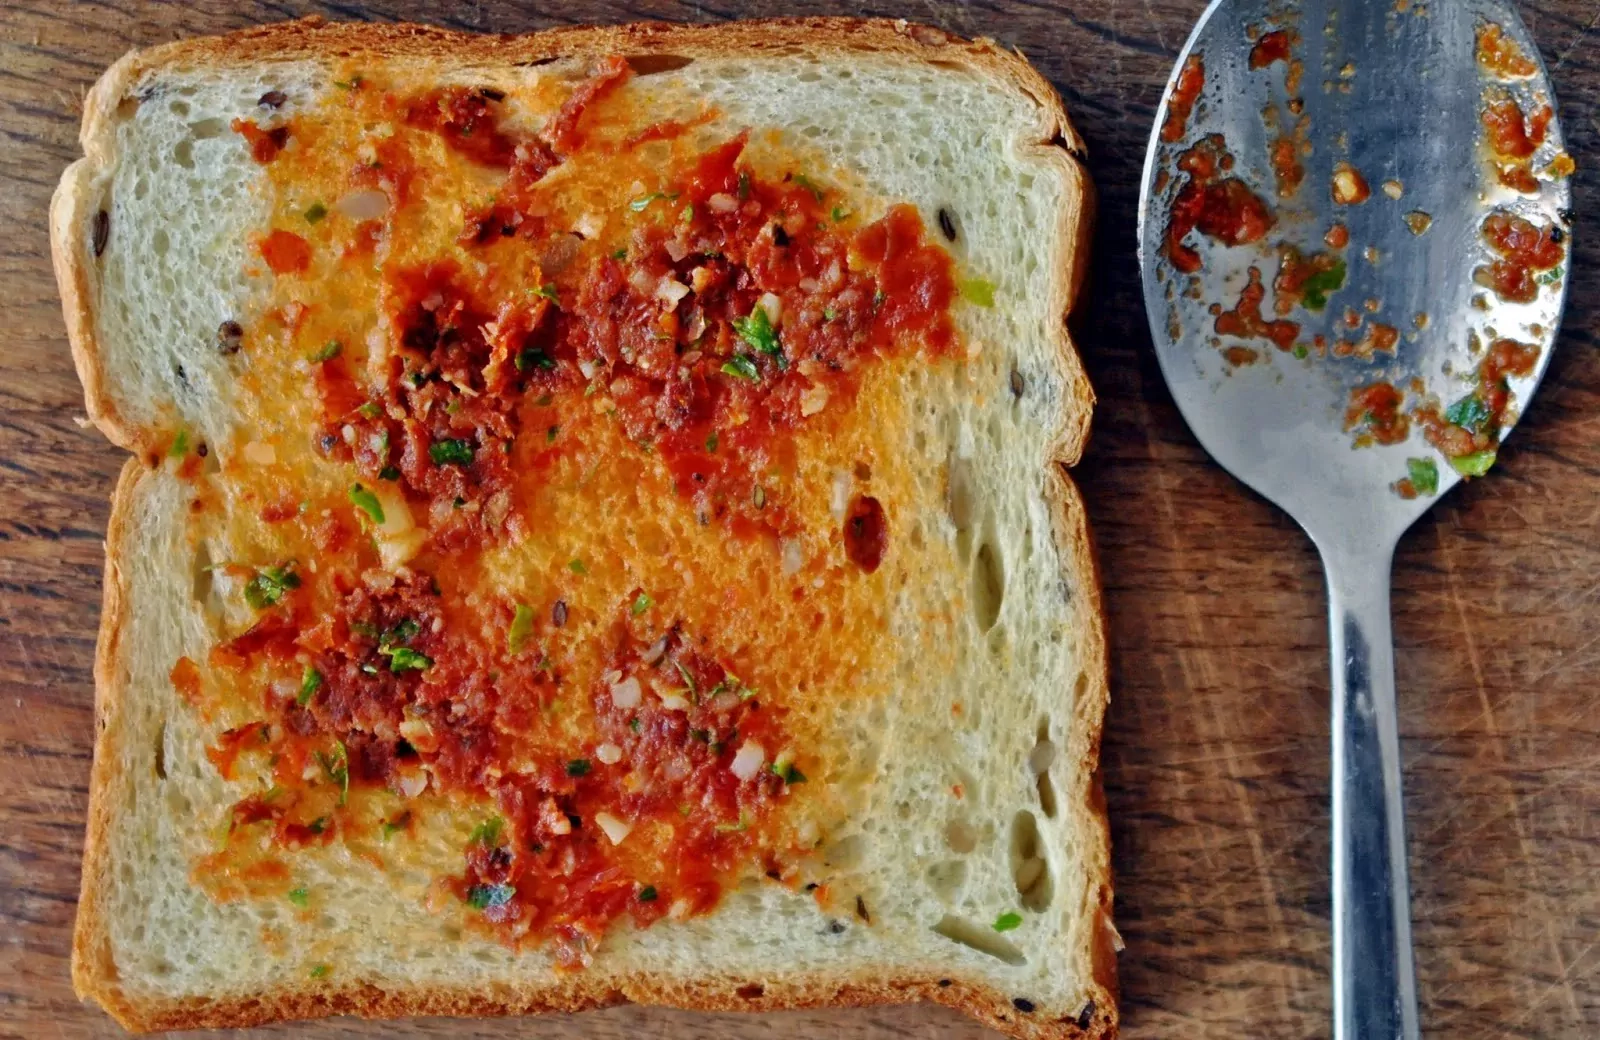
944, 693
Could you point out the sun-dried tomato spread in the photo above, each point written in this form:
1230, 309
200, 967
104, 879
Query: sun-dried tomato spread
560, 498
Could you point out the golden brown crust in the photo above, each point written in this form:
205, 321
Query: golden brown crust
94, 972
1055, 141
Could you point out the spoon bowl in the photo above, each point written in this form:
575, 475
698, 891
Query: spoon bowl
1353, 238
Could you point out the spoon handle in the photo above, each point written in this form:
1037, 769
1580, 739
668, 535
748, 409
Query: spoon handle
1374, 985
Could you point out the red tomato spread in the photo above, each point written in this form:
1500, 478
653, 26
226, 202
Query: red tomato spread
1180, 105
1219, 207
1525, 251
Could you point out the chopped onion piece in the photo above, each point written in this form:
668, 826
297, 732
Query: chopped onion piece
655, 650
674, 701
670, 291
260, 454
413, 783
792, 556
747, 763
615, 829
369, 204
813, 399
608, 753
770, 303
626, 694
840, 497
722, 202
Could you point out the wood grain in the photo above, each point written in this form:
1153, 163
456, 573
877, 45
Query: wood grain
1215, 758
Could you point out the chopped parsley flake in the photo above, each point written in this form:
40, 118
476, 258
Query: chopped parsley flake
487, 833
269, 585
450, 451
370, 410
1475, 464
367, 502
389, 473
711, 442
482, 897
839, 213
647, 894
398, 823
640, 204
640, 605
1424, 475
405, 659
1007, 921
320, 971
1315, 289
530, 358
548, 291
757, 331
310, 683
299, 897
978, 290
578, 767
337, 766
329, 351
180, 445
1470, 413
577, 567
315, 212
742, 367
521, 628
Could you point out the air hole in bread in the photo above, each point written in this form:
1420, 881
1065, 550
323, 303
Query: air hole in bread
961, 836
1029, 866
1040, 759
947, 878
846, 853
178, 107
161, 752
159, 243
753, 991
988, 586
651, 64
204, 586
206, 128
960, 493
979, 937
183, 154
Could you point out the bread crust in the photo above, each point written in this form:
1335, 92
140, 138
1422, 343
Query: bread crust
1054, 142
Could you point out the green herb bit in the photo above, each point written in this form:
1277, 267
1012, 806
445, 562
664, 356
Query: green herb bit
337, 766
329, 351
829, 313
839, 213
577, 567
1470, 413
978, 290
1007, 921
487, 833
531, 357
688, 213
403, 631
711, 443
310, 683
180, 445
784, 768
647, 894
370, 410
1315, 289
269, 585
353, 83
1301, 351
548, 291
320, 971
744, 184
483, 897
640, 204
451, 452
1475, 464
641, 604
621, 254
367, 502
808, 184
688, 681
521, 628
389, 473
1424, 475
397, 823
635, 725
741, 367
757, 331
299, 897
315, 212
733, 828
578, 767
405, 659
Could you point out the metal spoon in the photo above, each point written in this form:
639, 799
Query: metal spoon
1397, 89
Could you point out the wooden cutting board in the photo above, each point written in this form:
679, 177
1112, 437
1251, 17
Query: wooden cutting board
1215, 757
